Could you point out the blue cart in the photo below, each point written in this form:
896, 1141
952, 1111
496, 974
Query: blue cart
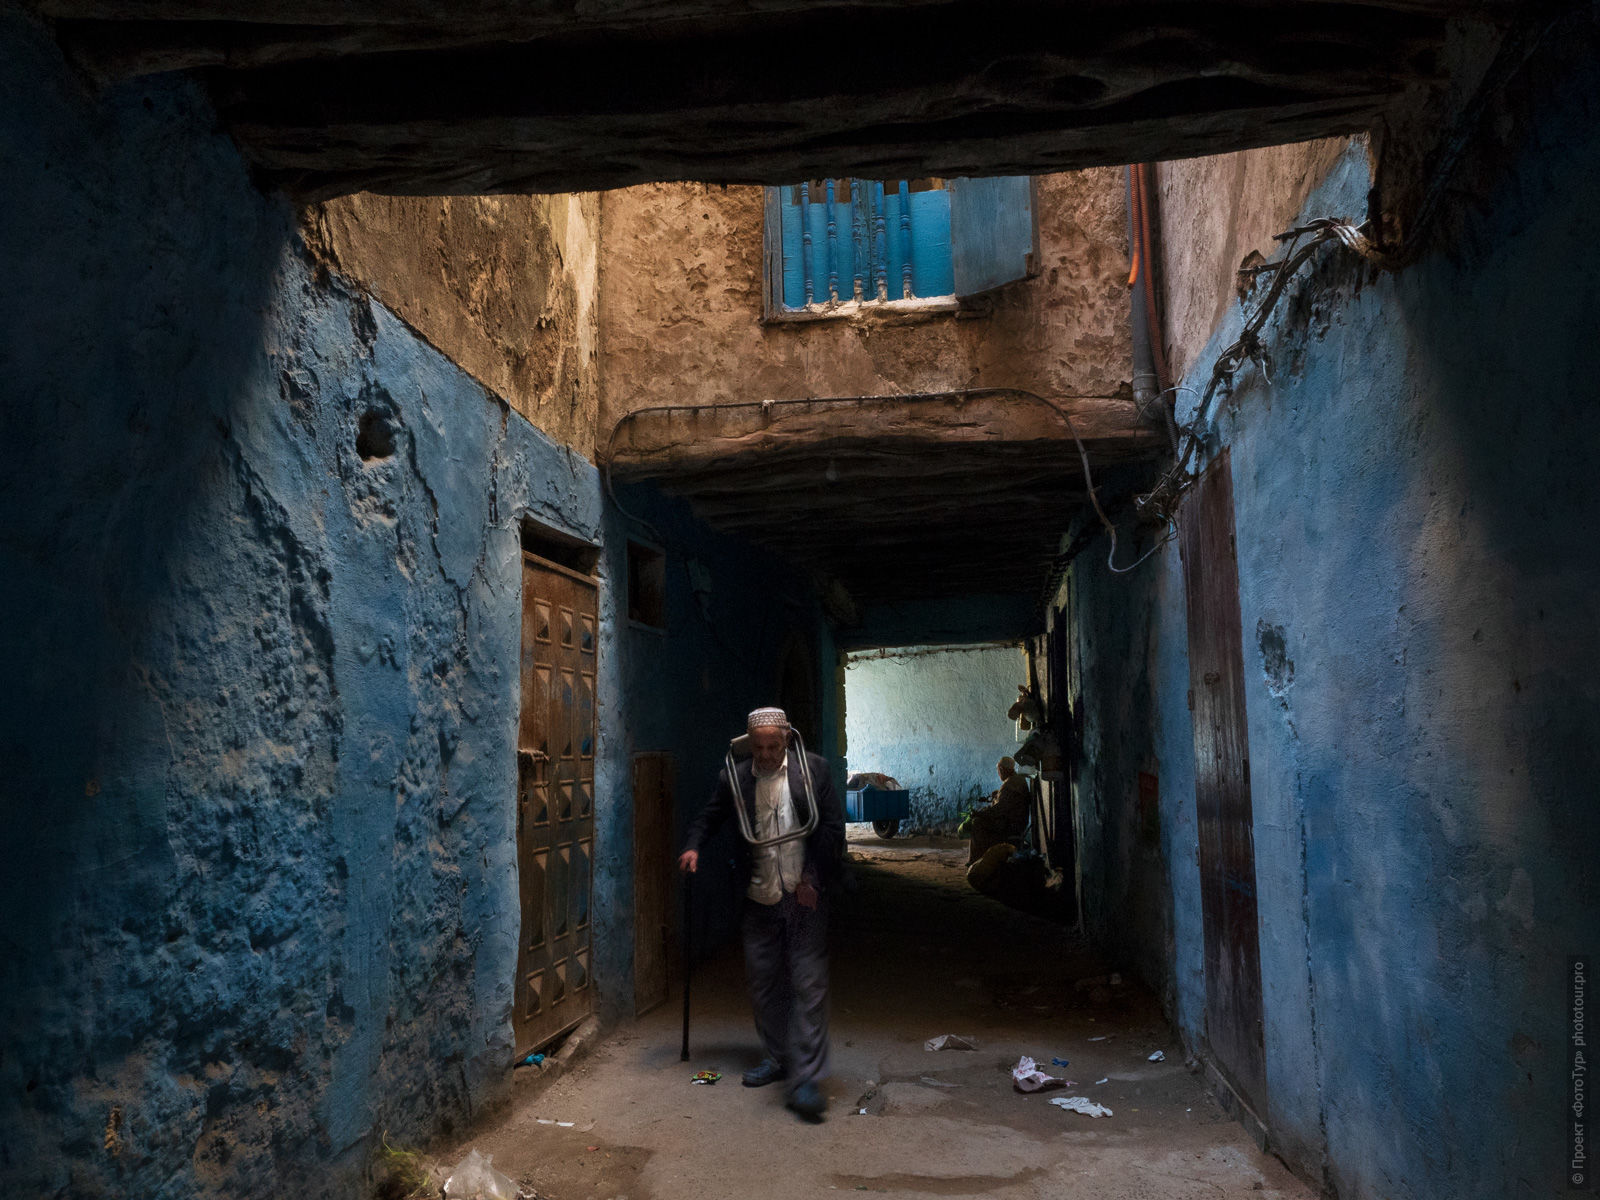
885, 807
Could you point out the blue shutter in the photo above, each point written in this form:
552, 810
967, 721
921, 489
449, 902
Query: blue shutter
992, 239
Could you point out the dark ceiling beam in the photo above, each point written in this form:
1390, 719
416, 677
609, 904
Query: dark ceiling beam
926, 587
139, 37
927, 467
841, 502
660, 443
926, 544
496, 97
864, 522
810, 465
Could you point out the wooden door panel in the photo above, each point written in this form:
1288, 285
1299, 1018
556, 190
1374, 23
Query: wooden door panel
653, 859
555, 826
1222, 784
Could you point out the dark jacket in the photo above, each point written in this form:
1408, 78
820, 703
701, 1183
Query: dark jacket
825, 846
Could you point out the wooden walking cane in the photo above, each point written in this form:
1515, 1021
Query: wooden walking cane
688, 956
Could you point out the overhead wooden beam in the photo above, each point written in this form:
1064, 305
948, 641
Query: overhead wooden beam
124, 38
866, 519
922, 542
850, 501
492, 96
779, 471
661, 444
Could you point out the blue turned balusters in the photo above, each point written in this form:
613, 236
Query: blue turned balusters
805, 243
833, 249
880, 244
905, 239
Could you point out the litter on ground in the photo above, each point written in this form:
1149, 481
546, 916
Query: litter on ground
1158, 1056
1026, 1077
1081, 1104
950, 1041
475, 1178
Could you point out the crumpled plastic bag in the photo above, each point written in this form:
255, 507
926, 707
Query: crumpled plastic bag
950, 1041
1081, 1104
475, 1178
1026, 1077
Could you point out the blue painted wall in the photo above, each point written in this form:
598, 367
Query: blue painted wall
259, 866
936, 721
731, 611
1415, 514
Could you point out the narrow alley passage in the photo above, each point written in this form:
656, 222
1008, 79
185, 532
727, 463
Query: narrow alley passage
1158, 443
916, 953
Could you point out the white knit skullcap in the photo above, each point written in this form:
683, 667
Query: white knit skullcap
763, 718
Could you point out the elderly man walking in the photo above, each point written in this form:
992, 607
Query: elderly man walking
785, 918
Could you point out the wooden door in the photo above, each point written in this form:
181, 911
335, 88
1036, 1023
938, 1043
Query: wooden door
653, 860
1222, 784
555, 800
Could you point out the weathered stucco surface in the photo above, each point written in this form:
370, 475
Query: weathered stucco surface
1213, 212
260, 588
262, 597
936, 721
1414, 504
506, 286
682, 281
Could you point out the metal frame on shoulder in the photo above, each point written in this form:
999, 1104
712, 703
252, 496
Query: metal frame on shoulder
739, 747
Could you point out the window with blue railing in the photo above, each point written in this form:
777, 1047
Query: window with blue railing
836, 244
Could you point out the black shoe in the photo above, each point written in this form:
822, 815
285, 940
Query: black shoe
767, 1072
807, 1102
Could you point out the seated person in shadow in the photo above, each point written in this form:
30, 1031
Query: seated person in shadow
1007, 815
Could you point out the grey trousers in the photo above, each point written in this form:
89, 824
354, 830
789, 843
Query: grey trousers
786, 968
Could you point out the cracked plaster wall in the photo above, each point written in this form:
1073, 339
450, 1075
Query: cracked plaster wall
681, 286
1414, 505
505, 286
259, 875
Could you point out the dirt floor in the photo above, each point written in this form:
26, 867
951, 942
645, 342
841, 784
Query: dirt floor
916, 953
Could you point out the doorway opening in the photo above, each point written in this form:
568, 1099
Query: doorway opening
933, 720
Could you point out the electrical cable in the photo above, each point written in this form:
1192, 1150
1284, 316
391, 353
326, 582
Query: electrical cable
912, 397
1515, 50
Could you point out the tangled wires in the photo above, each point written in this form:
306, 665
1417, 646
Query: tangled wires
1161, 501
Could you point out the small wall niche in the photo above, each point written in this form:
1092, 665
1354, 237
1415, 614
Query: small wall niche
375, 435
560, 548
647, 585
